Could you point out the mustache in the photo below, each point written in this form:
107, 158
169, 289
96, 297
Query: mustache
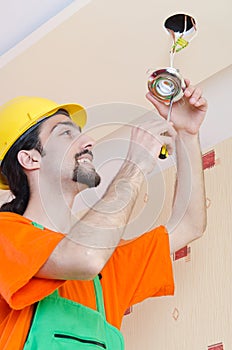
85, 151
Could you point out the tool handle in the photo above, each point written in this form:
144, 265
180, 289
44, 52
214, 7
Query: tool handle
163, 152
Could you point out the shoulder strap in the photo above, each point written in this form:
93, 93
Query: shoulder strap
99, 296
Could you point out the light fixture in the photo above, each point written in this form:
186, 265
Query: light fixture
167, 84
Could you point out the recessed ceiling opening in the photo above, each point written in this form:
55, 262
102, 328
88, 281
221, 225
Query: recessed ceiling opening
180, 23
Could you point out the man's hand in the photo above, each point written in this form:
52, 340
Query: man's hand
188, 113
146, 141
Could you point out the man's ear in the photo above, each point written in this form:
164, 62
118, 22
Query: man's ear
29, 160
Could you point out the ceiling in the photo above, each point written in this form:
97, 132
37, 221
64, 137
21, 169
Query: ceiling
101, 52
125, 33
18, 19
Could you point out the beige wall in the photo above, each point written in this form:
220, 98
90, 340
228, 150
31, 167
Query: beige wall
203, 284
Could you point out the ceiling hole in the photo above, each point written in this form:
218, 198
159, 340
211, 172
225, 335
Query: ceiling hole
180, 23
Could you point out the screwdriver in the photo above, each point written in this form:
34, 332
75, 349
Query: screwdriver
164, 152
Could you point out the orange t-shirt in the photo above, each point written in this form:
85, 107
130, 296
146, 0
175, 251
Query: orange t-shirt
138, 269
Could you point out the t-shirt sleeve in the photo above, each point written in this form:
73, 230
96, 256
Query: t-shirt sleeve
24, 249
142, 268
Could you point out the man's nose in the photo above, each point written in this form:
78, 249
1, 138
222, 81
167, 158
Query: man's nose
87, 142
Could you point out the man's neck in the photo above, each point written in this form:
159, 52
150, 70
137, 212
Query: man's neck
52, 210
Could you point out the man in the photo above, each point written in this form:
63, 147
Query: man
46, 161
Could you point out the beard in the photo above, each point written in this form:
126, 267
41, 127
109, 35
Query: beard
85, 175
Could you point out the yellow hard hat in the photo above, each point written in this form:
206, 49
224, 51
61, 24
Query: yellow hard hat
20, 113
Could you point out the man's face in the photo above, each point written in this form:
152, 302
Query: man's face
67, 153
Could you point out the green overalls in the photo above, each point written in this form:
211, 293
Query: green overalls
60, 324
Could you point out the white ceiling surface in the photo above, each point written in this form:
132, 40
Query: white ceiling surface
107, 47
18, 19
125, 33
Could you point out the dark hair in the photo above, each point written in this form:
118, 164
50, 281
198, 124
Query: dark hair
14, 173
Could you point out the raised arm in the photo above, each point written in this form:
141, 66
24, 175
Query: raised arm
92, 240
188, 219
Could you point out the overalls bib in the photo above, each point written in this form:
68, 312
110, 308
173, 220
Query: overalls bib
60, 324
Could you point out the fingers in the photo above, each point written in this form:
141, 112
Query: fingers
151, 98
187, 82
161, 107
151, 129
147, 140
169, 142
153, 134
157, 127
194, 96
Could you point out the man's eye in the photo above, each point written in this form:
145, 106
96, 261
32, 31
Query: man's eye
66, 132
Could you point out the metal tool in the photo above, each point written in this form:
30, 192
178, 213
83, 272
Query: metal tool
164, 152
